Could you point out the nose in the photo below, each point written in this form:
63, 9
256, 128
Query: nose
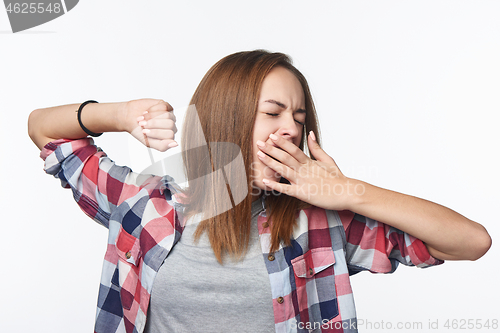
289, 128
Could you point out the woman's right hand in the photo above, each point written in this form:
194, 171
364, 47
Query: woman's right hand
151, 121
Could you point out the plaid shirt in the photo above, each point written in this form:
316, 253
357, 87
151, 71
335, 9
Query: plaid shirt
309, 279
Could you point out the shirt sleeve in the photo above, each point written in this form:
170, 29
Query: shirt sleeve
379, 248
98, 184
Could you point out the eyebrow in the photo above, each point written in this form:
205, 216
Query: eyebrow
283, 106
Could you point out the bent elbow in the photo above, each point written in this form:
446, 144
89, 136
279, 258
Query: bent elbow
482, 244
32, 124
35, 129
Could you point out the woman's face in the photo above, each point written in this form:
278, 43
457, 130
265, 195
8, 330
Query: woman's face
281, 111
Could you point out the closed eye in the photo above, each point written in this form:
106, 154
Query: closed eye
277, 114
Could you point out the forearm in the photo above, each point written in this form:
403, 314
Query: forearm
447, 234
60, 122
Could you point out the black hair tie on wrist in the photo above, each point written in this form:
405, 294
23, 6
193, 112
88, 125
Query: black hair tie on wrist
79, 116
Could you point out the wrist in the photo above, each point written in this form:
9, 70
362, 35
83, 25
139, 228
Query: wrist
120, 116
356, 194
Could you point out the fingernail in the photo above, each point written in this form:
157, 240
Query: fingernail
146, 131
261, 144
265, 181
143, 123
140, 118
261, 154
273, 137
312, 135
173, 144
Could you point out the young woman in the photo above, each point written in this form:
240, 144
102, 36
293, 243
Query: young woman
279, 258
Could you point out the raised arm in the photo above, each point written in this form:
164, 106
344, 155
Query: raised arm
148, 120
447, 234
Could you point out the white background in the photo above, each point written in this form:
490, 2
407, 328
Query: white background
407, 94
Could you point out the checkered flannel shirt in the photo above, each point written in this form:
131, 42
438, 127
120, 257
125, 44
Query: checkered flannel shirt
309, 279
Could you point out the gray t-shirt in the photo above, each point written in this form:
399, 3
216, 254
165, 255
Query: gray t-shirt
194, 293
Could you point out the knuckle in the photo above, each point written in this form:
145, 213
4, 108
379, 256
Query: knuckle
169, 134
286, 159
154, 114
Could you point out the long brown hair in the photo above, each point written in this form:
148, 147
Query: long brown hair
226, 102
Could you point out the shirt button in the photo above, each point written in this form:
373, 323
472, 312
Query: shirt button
265, 225
310, 271
280, 300
270, 257
128, 255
